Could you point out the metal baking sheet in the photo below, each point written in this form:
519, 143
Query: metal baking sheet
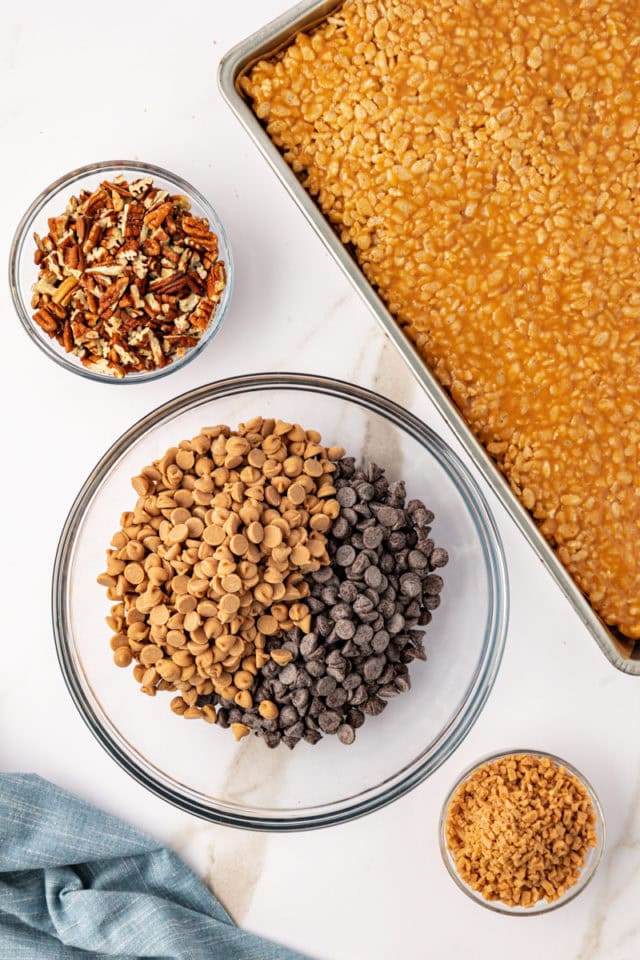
624, 654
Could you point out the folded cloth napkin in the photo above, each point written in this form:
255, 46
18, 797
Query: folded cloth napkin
78, 883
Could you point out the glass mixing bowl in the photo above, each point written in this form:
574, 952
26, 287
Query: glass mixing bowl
201, 768
592, 859
52, 202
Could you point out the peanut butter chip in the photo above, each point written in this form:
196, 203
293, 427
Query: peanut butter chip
296, 493
255, 533
134, 573
231, 583
268, 625
214, 535
268, 710
179, 533
300, 555
282, 657
239, 544
229, 603
272, 536
159, 615
240, 730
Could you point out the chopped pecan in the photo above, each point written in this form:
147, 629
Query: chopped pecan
46, 321
67, 337
128, 278
155, 217
111, 296
134, 217
195, 226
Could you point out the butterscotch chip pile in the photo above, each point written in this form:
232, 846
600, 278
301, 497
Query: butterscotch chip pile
212, 559
481, 159
519, 830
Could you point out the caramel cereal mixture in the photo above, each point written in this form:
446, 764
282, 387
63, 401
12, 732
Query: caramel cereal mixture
519, 829
481, 158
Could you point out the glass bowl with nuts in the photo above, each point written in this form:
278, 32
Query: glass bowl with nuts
304, 583
121, 272
522, 832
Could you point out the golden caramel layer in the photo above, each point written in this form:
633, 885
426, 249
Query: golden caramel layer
482, 157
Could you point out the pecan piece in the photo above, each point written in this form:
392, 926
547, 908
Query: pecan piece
46, 321
155, 217
195, 226
111, 296
64, 291
128, 279
134, 217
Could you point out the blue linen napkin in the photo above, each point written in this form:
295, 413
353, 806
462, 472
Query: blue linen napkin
77, 883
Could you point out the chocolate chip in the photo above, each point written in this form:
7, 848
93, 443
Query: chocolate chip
439, 557
308, 644
341, 529
288, 716
300, 700
346, 734
352, 680
337, 699
365, 491
346, 497
347, 591
372, 537
433, 584
373, 667
374, 706
329, 721
395, 623
345, 555
323, 625
341, 611
380, 641
387, 516
288, 674
411, 585
295, 731
362, 604
325, 686
345, 629
373, 577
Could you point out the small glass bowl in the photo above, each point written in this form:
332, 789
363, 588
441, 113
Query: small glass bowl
200, 768
593, 858
23, 273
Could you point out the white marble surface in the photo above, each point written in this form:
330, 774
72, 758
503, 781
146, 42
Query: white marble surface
81, 83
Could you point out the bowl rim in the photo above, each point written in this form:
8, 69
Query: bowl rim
25, 228
468, 709
584, 879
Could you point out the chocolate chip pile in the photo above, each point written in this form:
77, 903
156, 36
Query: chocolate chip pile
366, 605
270, 583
